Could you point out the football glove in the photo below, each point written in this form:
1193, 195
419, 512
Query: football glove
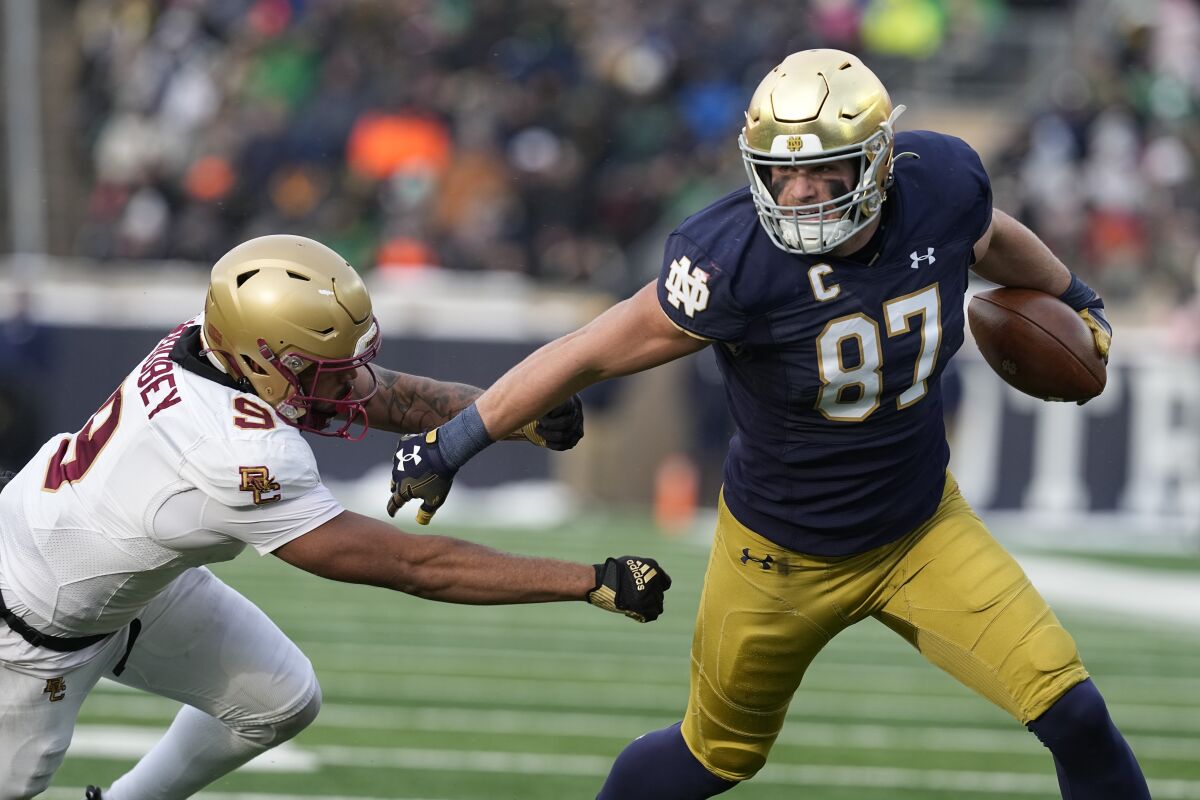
1087, 303
630, 585
420, 472
1101, 330
560, 429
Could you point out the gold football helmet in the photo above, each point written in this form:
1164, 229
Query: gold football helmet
286, 314
819, 106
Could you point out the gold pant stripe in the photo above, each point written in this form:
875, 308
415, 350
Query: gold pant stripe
948, 588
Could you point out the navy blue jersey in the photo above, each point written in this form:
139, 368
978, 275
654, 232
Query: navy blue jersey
832, 366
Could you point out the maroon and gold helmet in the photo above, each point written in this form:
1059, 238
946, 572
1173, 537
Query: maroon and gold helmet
283, 311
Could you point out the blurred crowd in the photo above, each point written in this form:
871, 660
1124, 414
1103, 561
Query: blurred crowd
1105, 170
563, 139
558, 138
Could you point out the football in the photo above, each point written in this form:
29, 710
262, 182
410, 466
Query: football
1037, 344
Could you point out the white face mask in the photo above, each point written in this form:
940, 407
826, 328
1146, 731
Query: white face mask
815, 237
807, 229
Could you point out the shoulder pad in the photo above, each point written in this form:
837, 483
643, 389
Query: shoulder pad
253, 471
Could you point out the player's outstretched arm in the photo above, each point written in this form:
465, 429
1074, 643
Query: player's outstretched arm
632, 336
356, 549
405, 403
1010, 254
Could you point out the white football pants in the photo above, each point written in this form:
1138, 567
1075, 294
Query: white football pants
202, 644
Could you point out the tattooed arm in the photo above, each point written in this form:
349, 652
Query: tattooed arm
410, 403
406, 403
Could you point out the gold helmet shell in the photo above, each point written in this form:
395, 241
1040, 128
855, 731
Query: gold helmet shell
819, 106
279, 305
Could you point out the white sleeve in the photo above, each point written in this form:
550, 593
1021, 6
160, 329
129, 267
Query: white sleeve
192, 519
269, 469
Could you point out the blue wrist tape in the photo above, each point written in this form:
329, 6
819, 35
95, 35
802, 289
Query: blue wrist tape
1080, 296
463, 437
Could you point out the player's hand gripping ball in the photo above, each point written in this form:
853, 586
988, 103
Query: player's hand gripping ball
1039, 345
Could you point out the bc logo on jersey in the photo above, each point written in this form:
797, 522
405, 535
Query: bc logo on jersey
56, 688
687, 288
259, 481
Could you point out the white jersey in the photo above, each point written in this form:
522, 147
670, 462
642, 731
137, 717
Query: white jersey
173, 471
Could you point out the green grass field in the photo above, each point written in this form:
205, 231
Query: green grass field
425, 701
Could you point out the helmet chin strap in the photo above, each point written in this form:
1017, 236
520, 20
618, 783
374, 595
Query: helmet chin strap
207, 352
284, 406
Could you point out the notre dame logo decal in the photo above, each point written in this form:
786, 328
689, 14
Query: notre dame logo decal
56, 688
259, 481
685, 288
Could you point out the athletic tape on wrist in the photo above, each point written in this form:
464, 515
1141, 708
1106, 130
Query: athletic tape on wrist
1080, 296
463, 437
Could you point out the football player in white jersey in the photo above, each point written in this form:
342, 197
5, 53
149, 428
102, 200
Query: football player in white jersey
105, 533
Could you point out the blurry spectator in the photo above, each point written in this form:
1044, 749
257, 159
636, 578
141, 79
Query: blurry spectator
527, 135
25, 353
552, 138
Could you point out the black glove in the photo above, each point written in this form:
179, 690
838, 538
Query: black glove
560, 429
5, 477
419, 472
630, 585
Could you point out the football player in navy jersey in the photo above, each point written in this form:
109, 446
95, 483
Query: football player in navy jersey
831, 289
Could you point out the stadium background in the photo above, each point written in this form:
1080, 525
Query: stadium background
500, 171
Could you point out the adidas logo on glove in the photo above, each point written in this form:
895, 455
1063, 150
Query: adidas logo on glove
641, 572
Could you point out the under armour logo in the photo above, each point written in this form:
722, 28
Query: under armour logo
916, 259
764, 562
687, 288
403, 458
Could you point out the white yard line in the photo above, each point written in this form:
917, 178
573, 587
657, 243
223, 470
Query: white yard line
75, 794
121, 742
1157, 596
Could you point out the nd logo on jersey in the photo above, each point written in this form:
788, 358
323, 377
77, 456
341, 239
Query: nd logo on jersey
687, 288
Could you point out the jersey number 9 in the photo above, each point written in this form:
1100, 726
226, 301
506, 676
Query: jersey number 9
75, 455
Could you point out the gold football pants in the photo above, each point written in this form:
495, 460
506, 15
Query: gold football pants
948, 588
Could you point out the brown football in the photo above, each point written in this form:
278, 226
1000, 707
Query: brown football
1037, 344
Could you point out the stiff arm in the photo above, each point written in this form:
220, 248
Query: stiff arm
632, 336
